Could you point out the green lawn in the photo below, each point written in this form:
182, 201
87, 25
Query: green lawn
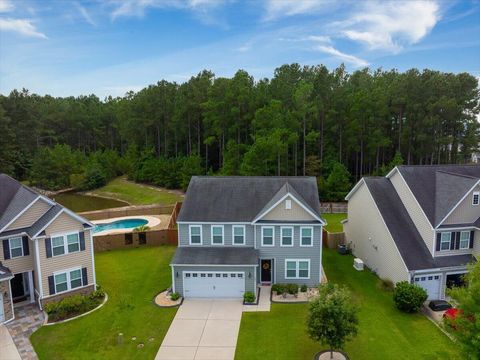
384, 332
333, 220
131, 279
137, 194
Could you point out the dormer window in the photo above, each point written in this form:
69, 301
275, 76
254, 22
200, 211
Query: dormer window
288, 204
476, 198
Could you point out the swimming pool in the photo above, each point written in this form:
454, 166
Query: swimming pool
120, 224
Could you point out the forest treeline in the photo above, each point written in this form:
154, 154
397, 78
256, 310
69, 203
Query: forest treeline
306, 120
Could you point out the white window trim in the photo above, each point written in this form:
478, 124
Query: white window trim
281, 235
297, 269
273, 236
211, 234
468, 240
476, 193
442, 241
21, 247
69, 285
233, 234
311, 238
65, 243
190, 234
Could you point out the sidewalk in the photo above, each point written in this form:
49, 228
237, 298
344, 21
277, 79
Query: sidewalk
8, 349
263, 301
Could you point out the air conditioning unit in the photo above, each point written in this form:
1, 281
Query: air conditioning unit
358, 264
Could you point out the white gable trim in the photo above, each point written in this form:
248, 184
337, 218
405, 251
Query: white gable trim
20, 213
71, 214
458, 203
388, 230
288, 194
355, 188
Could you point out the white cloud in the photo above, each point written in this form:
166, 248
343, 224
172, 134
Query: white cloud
85, 14
390, 25
282, 8
6, 6
138, 7
355, 61
21, 26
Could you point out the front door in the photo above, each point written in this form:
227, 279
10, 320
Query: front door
266, 270
18, 288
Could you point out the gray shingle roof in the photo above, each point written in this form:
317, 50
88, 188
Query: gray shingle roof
438, 188
5, 272
410, 244
209, 255
241, 198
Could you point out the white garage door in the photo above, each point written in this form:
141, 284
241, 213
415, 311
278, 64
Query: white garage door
204, 284
431, 283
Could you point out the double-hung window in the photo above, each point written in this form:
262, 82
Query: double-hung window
195, 235
297, 269
445, 240
58, 245
287, 236
73, 242
68, 280
306, 236
16, 247
267, 236
238, 234
464, 240
217, 235
476, 198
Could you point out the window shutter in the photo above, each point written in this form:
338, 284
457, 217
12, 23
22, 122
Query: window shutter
6, 249
26, 246
82, 240
457, 240
472, 236
84, 277
51, 285
453, 236
439, 236
48, 247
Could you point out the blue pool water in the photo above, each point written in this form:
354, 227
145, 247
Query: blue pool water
120, 224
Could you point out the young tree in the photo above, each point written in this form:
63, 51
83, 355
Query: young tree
467, 324
332, 317
338, 182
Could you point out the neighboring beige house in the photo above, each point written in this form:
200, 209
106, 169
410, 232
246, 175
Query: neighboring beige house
419, 224
46, 250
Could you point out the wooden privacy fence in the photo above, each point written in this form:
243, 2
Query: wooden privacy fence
129, 211
173, 219
334, 207
129, 240
332, 240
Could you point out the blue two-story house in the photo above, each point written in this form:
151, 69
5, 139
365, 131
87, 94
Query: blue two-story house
237, 232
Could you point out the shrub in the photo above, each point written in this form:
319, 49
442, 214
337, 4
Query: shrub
292, 289
174, 296
304, 288
278, 288
73, 305
409, 297
249, 297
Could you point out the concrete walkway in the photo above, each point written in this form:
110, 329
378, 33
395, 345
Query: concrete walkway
263, 301
8, 350
203, 330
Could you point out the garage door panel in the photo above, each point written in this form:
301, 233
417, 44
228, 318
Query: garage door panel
219, 284
431, 284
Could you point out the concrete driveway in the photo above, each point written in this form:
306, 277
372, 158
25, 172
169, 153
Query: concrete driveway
203, 330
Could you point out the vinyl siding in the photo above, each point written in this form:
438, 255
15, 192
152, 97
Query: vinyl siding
281, 253
476, 244
65, 223
370, 238
416, 214
249, 282
296, 213
19, 264
29, 217
465, 212
184, 236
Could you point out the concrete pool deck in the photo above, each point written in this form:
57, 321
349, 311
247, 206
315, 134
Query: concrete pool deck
155, 222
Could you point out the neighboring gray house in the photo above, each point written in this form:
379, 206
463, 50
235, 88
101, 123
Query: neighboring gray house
237, 232
46, 250
419, 224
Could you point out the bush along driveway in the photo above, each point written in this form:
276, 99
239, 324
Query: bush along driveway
131, 278
384, 332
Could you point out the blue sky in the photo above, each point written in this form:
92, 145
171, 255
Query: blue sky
107, 47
